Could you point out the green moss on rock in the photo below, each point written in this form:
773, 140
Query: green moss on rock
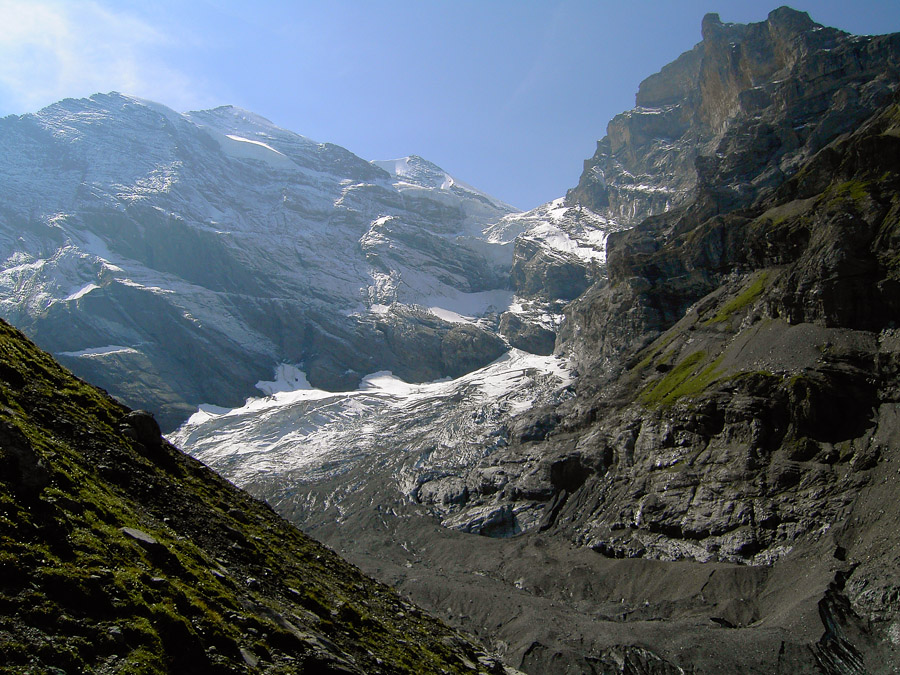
129, 559
750, 293
690, 377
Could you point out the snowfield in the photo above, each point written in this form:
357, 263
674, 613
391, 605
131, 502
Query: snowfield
311, 434
566, 230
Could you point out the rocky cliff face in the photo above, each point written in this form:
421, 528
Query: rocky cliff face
177, 259
736, 399
732, 118
559, 251
712, 492
120, 554
736, 115
788, 360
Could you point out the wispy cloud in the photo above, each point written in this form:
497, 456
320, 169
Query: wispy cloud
51, 49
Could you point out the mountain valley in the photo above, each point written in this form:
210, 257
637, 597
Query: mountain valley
652, 426
120, 554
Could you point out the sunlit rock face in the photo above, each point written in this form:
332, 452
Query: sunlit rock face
729, 120
736, 115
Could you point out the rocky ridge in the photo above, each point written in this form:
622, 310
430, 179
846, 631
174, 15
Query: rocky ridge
120, 554
733, 117
736, 115
559, 250
723, 464
785, 356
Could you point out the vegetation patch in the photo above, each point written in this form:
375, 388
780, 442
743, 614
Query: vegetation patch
747, 296
650, 353
777, 216
687, 379
855, 191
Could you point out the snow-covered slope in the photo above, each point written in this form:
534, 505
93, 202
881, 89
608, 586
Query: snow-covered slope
176, 258
410, 443
417, 178
568, 230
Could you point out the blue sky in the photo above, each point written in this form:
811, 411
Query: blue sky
507, 95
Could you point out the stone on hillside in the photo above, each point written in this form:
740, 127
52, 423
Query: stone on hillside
141, 427
20, 465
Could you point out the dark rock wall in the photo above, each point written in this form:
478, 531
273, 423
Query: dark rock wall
737, 390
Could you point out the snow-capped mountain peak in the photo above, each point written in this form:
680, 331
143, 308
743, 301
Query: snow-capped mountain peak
412, 175
417, 171
211, 245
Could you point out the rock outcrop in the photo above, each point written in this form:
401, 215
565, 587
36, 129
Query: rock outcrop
730, 119
559, 251
779, 370
736, 115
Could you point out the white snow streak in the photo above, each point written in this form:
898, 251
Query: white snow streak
101, 351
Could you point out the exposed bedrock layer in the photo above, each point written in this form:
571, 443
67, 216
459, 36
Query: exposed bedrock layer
737, 114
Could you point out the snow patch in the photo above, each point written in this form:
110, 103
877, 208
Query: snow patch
567, 230
81, 292
448, 316
259, 143
559, 240
246, 148
101, 351
465, 307
206, 412
385, 382
287, 378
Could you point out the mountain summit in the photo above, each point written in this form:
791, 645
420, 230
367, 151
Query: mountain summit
178, 259
737, 114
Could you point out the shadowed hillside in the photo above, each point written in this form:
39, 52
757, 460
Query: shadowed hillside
120, 554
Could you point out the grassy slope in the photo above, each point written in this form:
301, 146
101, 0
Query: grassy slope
221, 583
